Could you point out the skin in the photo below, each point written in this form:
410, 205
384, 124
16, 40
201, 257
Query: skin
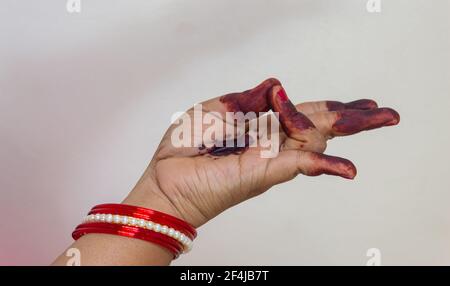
211, 180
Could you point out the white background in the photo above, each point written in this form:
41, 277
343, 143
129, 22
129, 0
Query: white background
85, 99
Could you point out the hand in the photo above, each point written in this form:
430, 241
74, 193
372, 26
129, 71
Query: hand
197, 183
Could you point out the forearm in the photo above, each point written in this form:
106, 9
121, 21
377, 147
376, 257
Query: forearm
107, 249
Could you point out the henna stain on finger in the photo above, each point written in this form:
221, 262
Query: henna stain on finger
291, 120
354, 121
255, 99
295, 124
259, 99
361, 104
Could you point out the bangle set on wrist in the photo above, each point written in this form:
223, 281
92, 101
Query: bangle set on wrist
153, 226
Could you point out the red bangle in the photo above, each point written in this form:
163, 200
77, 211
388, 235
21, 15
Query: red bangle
165, 230
129, 231
147, 214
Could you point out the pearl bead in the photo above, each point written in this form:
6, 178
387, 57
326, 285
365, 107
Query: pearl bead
126, 220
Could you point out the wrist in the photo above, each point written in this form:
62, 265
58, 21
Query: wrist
147, 194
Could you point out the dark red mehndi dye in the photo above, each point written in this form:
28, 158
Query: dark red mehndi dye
353, 116
290, 118
361, 104
251, 100
354, 121
332, 165
223, 150
282, 95
260, 99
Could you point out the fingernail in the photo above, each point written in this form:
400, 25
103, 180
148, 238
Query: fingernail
347, 170
395, 117
351, 172
282, 95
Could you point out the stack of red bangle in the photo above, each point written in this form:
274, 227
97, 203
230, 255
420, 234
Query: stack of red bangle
130, 221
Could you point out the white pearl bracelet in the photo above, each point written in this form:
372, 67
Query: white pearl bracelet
146, 224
